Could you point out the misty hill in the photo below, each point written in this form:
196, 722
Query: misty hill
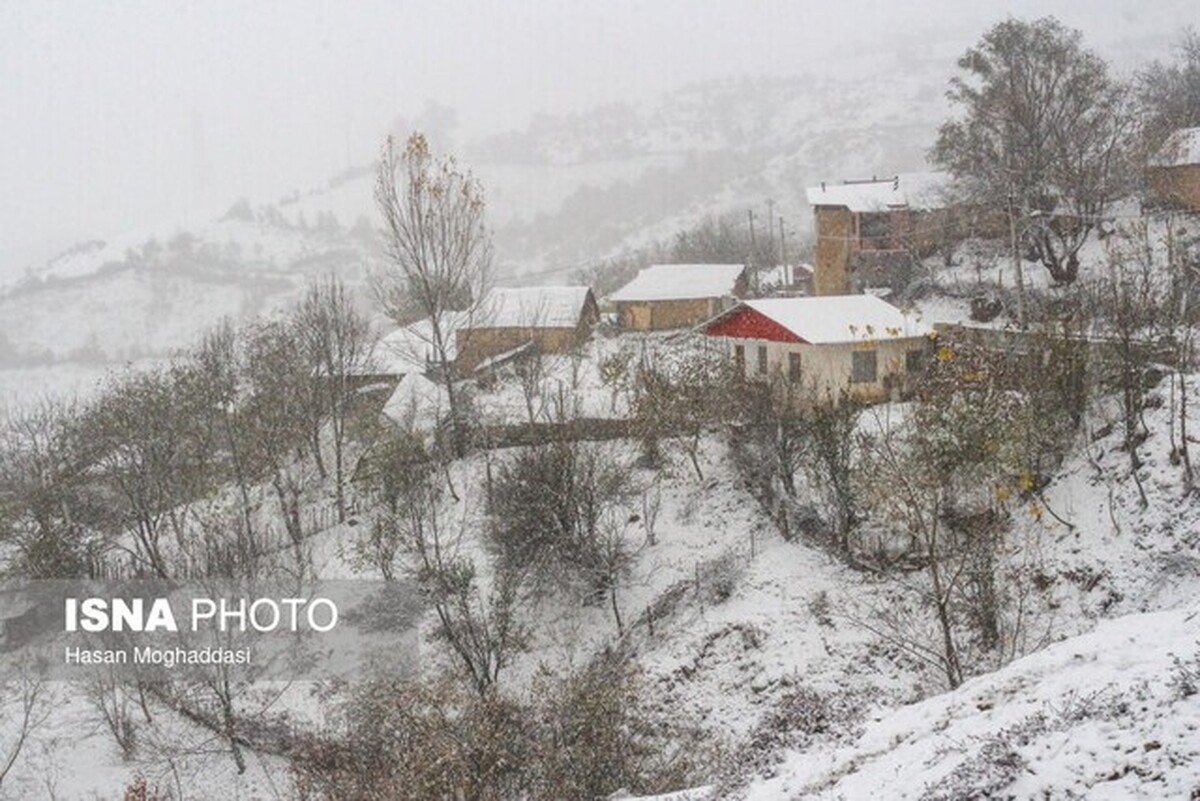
712, 147
573, 189
122, 300
566, 191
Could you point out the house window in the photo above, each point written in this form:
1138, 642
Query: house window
762, 359
863, 367
739, 360
794, 368
875, 231
914, 361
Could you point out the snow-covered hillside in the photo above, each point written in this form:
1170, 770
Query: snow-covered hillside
1110, 711
1112, 714
145, 296
761, 643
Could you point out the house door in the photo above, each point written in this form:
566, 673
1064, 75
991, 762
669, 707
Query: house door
639, 318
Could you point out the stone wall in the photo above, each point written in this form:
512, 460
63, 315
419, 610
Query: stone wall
478, 344
831, 272
659, 315
1174, 187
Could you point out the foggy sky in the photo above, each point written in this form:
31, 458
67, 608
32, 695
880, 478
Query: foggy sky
123, 116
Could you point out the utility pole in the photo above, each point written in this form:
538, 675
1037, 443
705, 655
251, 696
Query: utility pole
783, 255
753, 246
752, 265
771, 230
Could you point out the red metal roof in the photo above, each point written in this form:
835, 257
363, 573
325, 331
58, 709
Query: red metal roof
746, 323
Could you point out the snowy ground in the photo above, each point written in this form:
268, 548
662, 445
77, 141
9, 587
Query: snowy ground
788, 626
73, 756
1111, 714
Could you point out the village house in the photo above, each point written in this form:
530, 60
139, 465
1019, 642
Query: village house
508, 321
865, 229
548, 319
1173, 175
665, 296
824, 346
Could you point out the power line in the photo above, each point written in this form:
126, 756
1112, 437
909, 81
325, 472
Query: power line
930, 228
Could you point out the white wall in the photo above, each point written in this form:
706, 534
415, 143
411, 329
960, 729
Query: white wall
827, 368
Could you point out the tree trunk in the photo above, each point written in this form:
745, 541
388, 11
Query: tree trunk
616, 609
941, 600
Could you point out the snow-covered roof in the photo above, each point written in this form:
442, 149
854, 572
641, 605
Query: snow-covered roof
416, 402
532, 306
410, 347
841, 318
1181, 149
921, 191
681, 282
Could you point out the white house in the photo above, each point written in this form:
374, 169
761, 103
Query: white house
858, 344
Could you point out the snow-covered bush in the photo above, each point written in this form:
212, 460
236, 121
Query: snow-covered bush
797, 720
559, 515
718, 578
586, 734
991, 768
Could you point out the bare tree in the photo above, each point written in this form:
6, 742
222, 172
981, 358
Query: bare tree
155, 452
832, 447
420, 740
797, 445
336, 340
111, 697
1128, 306
1169, 94
221, 372
283, 415
477, 626
588, 734
941, 477
557, 517
44, 499
1044, 129
729, 238
439, 252
683, 399
397, 466
598, 732
616, 373
613, 555
1183, 314
531, 366
25, 696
